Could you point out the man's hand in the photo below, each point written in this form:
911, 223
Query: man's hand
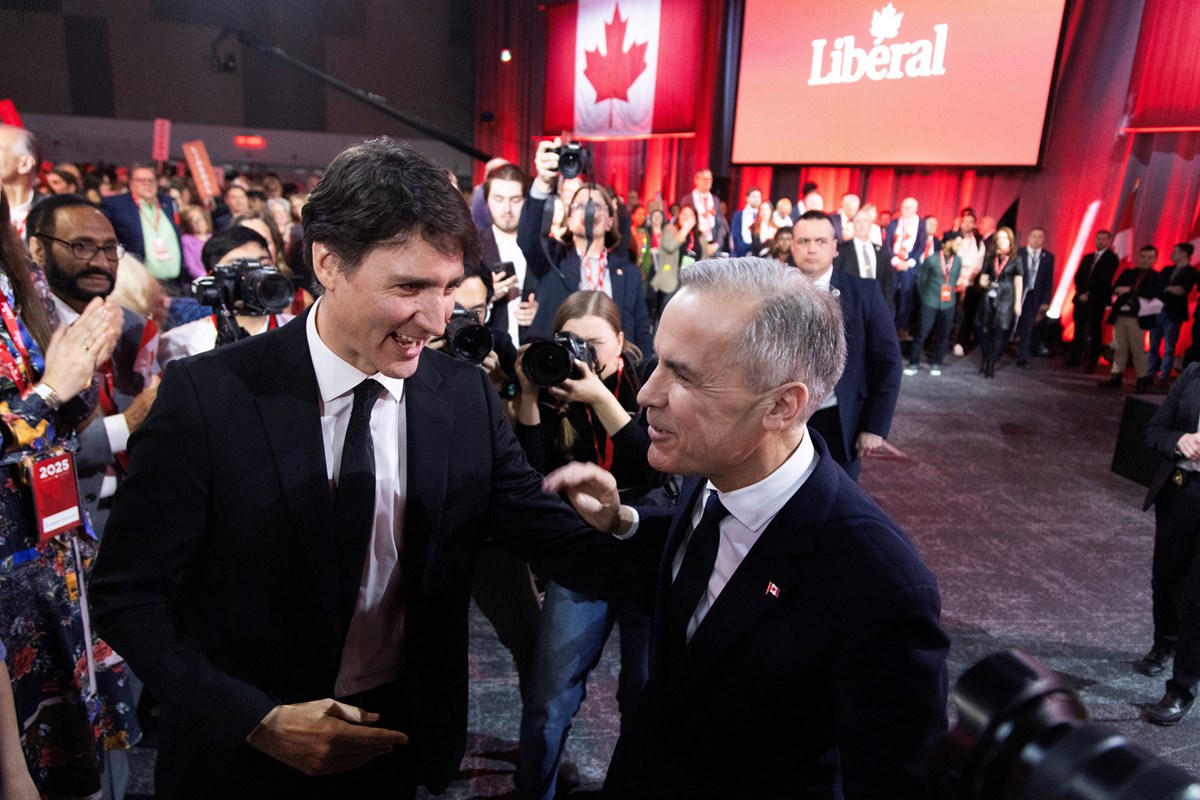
526, 311
545, 162
135, 415
1082, 297
1189, 445
502, 287
591, 490
322, 737
867, 443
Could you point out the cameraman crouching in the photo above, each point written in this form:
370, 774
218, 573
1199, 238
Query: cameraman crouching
243, 250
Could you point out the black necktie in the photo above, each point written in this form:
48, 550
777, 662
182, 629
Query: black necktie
691, 582
354, 500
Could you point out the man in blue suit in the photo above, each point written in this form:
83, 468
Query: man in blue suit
743, 220
795, 647
146, 223
1039, 290
857, 415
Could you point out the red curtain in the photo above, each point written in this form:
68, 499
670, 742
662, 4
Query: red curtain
1166, 81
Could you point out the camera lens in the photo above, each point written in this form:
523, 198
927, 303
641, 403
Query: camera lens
471, 343
547, 364
570, 165
266, 291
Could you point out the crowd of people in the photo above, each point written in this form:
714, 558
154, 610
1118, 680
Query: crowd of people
214, 485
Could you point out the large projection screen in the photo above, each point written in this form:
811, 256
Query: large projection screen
915, 82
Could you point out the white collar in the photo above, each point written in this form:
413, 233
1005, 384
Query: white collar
757, 504
66, 314
336, 377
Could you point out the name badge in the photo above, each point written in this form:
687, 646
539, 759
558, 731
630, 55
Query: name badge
160, 248
55, 494
947, 293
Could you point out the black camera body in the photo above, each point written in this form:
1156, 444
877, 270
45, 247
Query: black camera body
468, 340
573, 160
549, 363
246, 286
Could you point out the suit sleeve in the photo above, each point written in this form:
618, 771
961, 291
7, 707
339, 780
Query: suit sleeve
1162, 432
641, 314
883, 368
529, 234
155, 534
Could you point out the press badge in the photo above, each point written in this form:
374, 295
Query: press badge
160, 248
55, 494
947, 294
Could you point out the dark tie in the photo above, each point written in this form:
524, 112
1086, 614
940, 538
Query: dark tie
354, 499
691, 582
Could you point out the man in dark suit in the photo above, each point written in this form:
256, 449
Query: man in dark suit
905, 237
743, 222
1175, 582
288, 564
795, 643
1093, 293
558, 268
504, 192
1039, 290
147, 223
1178, 281
856, 416
58, 228
864, 259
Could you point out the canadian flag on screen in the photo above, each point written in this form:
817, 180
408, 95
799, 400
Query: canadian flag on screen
622, 67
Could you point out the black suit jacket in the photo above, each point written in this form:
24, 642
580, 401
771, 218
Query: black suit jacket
1096, 278
1042, 290
489, 256
838, 681
918, 250
218, 579
122, 212
1176, 416
847, 259
870, 384
1176, 305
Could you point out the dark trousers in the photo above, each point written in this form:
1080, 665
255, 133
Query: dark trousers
1089, 329
906, 295
1026, 331
965, 307
828, 423
933, 319
992, 342
504, 591
1175, 577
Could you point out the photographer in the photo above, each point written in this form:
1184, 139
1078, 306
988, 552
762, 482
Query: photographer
232, 244
588, 417
584, 259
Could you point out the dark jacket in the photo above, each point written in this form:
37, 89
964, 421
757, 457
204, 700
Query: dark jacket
122, 212
847, 259
1176, 416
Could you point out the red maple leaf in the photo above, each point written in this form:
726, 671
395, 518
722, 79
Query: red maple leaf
613, 73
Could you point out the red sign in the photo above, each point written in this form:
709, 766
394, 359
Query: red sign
201, 168
247, 142
162, 140
9, 115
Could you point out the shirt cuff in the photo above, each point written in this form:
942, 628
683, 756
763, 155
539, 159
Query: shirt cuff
537, 192
118, 432
632, 527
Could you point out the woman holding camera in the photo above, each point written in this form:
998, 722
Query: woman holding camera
1002, 282
588, 417
71, 693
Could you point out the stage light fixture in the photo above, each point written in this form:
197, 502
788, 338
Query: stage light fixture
506, 55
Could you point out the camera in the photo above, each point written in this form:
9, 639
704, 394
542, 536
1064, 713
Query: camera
468, 340
573, 160
1022, 733
549, 363
246, 286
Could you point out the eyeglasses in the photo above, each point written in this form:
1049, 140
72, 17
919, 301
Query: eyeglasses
599, 206
86, 251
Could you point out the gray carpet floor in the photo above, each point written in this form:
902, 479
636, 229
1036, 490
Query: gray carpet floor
1005, 487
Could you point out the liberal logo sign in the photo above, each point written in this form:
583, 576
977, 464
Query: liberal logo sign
848, 63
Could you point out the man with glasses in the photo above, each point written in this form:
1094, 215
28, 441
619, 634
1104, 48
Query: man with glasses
856, 416
76, 247
146, 223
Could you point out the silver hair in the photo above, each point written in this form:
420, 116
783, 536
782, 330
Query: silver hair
795, 331
25, 143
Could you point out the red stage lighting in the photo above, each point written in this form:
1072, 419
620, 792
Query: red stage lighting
247, 142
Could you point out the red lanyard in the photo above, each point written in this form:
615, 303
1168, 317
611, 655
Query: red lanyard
17, 365
595, 284
157, 212
946, 267
604, 452
1000, 265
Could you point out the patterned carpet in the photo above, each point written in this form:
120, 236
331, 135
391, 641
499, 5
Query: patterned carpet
1005, 486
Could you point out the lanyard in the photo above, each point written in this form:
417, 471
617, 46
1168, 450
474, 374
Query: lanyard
595, 284
604, 452
946, 267
1000, 265
17, 364
157, 213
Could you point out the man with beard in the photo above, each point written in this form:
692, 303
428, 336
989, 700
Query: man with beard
77, 248
504, 190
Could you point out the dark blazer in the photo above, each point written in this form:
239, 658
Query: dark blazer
1042, 291
218, 578
555, 282
889, 240
1097, 278
870, 384
1149, 287
847, 259
836, 684
1176, 305
739, 247
95, 454
489, 254
122, 212
1176, 416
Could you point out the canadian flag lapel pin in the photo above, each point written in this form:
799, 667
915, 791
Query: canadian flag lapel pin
772, 589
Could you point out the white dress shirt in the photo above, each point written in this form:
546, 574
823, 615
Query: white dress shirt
751, 510
506, 244
374, 644
867, 266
